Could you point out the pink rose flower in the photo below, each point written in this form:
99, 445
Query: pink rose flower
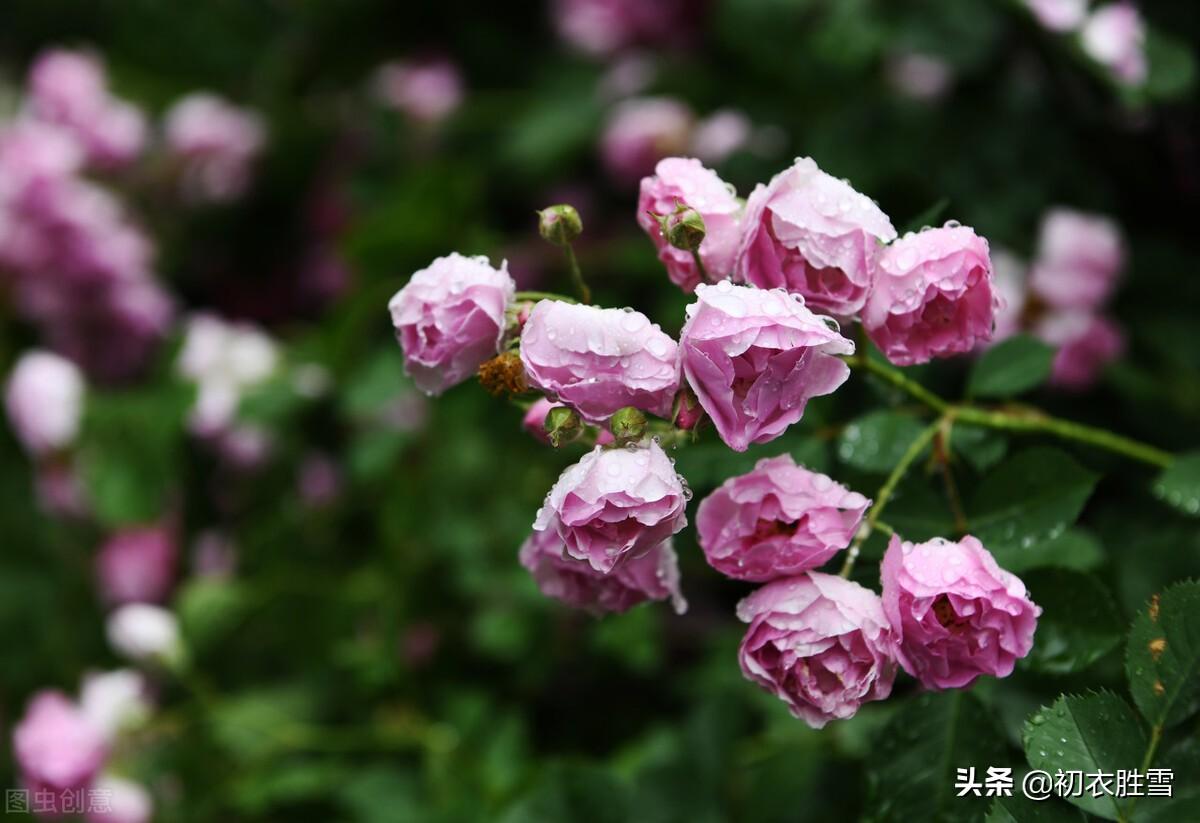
44, 399
640, 132
601, 27
1079, 257
137, 565
1059, 15
1115, 37
426, 90
127, 802
754, 358
1086, 344
56, 747
683, 180
216, 143
954, 613
933, 297
615, 504
449, 318
819, 643
814, 235
599, 360
653, 575
776, 521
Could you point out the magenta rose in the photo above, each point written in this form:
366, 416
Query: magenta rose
679, 180
1079, 257
615, 504
137, 565
1086, 343
449, 318
754, 357
814, 235
650, 576
954, 613
933, 297
819, 643
57, 748
599, 360
777, 521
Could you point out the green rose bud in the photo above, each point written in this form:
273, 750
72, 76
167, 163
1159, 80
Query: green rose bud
562, 425
627, 424
559, 224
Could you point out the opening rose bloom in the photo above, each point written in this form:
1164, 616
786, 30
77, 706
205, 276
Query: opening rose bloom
44, 400
954, 612
776, 521
137, 565
1078, 260
57, 748
650, 576
599, 360
683, 180
933, 296
449, 318
819, 643
754, 358
615, 504
814, 235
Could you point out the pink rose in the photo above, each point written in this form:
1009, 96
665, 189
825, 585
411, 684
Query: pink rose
1115, 37
426, 90
137, 565
721, 134
1078, 260
683, 180
450, 318
599, 360
601, 27
653, 575
640, 132
776, 521
1059, 15
819, 643
814, 235
216, 143
44, 399
933, 297
1086, 344
56, 747
754, 357
614, 504
954, 613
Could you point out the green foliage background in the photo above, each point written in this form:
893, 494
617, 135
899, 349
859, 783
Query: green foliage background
305, 703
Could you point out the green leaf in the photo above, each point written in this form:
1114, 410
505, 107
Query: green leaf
1172, 66
1076, 548
1030, 498
1020, 809
875, 442
981, 448
1078, 625
209, 608
1089, 733
1179, 484
1016, 365
585, 794
911, 773
1163, 657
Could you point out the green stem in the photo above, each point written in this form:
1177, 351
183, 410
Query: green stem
898, 380
889, 487
700, 266
585, 294
534, 296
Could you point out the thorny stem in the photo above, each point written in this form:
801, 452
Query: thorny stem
585, 294
889, 487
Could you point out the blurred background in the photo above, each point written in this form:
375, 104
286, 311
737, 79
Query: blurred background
246, 184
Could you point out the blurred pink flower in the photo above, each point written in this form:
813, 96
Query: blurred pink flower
1079, 257
919, 76
57, 749
137, 565
721, 134
426, 90
1059, 15
128, 802
1086, 343
320, 480
640, 132
1115, 37
216, 143
602, 27
44, 398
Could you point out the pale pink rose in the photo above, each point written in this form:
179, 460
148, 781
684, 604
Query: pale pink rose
449, 318
819, 643
615, 504
813, 235
683, 181
653, 575
954, 613
127, 802
145, 633
57, 749
640, 132
1115, 37
1078, 260
933, 297
1086, 344
755, 357
425, 90
137, 565
1059, 15
224, 359
44, 399
721, 134
215, 143
777, 521
599, 360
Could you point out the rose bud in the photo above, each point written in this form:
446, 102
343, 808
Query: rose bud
1078, 259
933, 296
712, 209
814, 235
137, 565
559, 225
1086, 343
615, 504
449, 319
44, 400
125, 801
562, 426
599, 360
58, 750
688, 411
650, 576
754, 357
819, 643
954, 612
776, 521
